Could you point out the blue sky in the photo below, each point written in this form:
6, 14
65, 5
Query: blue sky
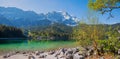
76, 8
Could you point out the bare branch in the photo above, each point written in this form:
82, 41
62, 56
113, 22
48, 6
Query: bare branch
109, 10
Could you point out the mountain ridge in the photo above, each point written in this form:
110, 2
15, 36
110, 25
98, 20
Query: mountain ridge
21, 18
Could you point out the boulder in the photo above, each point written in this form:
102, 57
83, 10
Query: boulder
75, 50
51, 52
57, 54
101, 58
118, 57
84, 53
42, 56
88, 53
118, 31
37, 53
69, 56
90, 50
24, 53
63, 50
31, 56
118, 51
81, 57
77, 56
118, 38
6, 56
69, 51
17, 52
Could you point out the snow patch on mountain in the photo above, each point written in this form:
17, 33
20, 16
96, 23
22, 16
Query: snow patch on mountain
31, 18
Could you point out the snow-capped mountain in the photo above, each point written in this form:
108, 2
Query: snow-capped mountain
23, 18
62, 17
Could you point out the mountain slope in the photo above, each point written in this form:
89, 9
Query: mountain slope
21, 18
5, 21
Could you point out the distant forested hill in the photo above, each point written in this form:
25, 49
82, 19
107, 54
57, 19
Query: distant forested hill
54, 31
10, 32
61, 31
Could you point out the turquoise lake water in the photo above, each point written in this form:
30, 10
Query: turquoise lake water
23, 45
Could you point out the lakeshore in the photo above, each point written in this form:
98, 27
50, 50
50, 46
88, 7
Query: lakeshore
61, 53
25, 49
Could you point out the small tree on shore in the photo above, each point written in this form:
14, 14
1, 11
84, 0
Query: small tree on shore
89, 34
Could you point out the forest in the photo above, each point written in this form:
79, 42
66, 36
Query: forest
55, 31
10, 32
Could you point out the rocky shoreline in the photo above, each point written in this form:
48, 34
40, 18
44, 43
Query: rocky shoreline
62, 53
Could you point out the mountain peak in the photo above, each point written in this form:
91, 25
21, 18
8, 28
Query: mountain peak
19, 16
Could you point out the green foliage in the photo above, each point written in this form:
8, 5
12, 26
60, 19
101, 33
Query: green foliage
101, 37
101, 4
88, 34
112, 44
55, 31
10, 32
104, 6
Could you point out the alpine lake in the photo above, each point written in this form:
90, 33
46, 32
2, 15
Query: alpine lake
7, 45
